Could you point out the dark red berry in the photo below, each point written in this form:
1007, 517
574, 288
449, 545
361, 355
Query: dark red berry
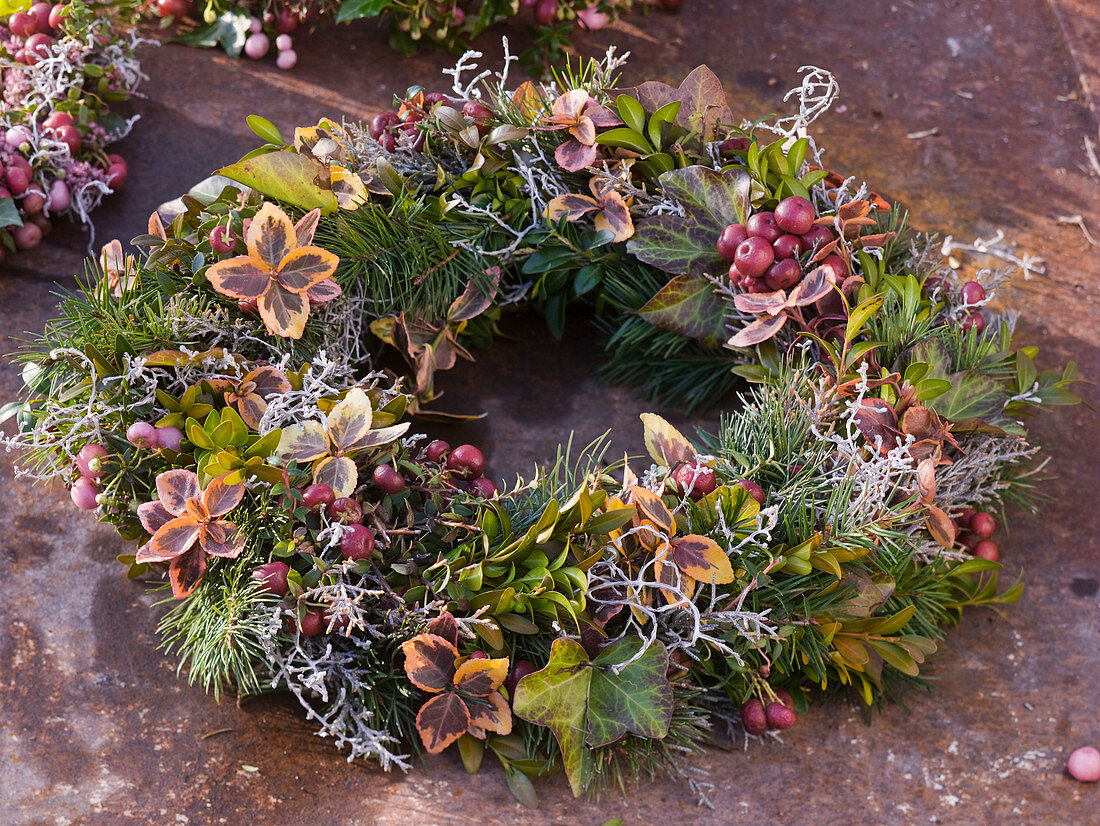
968, 540
974, 321
987, 550
973, 292
835, 265
783, 697
466, 461
737, 278
754, 256
756, 285
383, 122
754, 718
479, 112
763, 225
783, 274
357, 542
223, 240
479, 655
788, 246
388, 479
752, 489
730, 239
545, 12
273, 578
346, 510
795, 215
481, 487
436, 450
983, 524
779, 717
964, 518
318, 496
520, 669
818, 235
312, 622
699, 478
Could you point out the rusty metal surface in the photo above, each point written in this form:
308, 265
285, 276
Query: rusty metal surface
96, 729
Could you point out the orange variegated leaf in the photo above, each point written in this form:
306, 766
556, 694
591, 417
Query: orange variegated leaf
571, 207
573, 156
702, 559
241, 277
569, 104
652, 508
496, 716
614, 216
153, 516
270, 236
339, 473
324, 292
528, 100
429, 661
222, 539
306, 226
171, 540
220, 498
186, 572
303, 442
441, 721
676, 587
350, 419
941, 527
348, 188
667, 445
479, 677
284, 312
269, 380
252, 408
584, 130
175, 487
306, 267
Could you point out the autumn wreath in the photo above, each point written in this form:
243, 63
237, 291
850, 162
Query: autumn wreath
217, 399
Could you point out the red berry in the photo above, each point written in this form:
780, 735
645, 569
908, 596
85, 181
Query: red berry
987, 550
57, 16
346, 510
70, 136
466, 461
27, 237
478, 655
256, 45
699, 478
477, 111
783, 274
756, 285
818, 236
730, 239
545, 12
83, 493
116, 175
37, 46
21, 24
286, 21
58, 118
783, 697
318, 496
836, 265
41, 14
387, 141
973, 292
968, 540
976, 321
436, 450
964, 518
273, 578
520, 669
312, 622
779, 717
795, 215
357, 543
383, 122
983, 524
172, 8
754, 718
754, 256
222, 239
481, 487
763, 225
787, 246
754, 490
388, 480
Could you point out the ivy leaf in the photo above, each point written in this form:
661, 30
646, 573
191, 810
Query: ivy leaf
9, 214
287, 177
429, 661
703, 101
687, 305
686, 244
637, 699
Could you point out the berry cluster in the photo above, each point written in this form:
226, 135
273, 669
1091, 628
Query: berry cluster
976, 531
769, 250
90, 460
778, 715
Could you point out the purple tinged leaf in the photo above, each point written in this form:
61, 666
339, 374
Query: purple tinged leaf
760, 330
689, 306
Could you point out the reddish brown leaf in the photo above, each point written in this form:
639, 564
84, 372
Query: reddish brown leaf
496, 716
941, 527
757, 303
445, 626
926, 481
601, 116
853, 210
172, 540
186, 571
429, 661
441, 721
652, 508
153, 516
877, 421
816, 285
702, 559
269, 381
222, 539
220, 498
306, 226
240, 277
306, 267
479, 677
284, 313
175, 487
528, 99
270, 236
571, 207
573, 156
251, 408
760, 330
476, 298
324, 292
584, 130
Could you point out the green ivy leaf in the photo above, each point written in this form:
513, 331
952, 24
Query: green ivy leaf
687, 305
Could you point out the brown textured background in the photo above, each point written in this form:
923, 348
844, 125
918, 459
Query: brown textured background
96, 729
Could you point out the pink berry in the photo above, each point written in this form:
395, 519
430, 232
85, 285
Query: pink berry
357, 543
346, 510
70, 136
795, 215
983, 524
38, 44
222, 239
33, 201
27, 237
699, 478
273, 578
60, 197
116, 176
730, 240
436, 450
89, 459
21, 24
753, 717
318, 496
57, 16
17, 136
458, 16
763, 225
987, 549
973, 292
287, 59
41, 14
256, 45
388, 480
283, 42
779, 717
545, 12
169, 438
593, 19
835, 265
83, 494
255, 25
783, 274
754, 256
754, 490
466, 461
1084, 764
18, 178
141, 435
58, 118
482, 487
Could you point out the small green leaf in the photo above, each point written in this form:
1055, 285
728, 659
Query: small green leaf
630, 112
265, 130
355, 9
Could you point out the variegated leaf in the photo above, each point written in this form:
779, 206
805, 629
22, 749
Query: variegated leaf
429, 661
306, 267
153, 516
241, 277
760, 330
175, 487
306, 227
614, 217
324, 292
652, 508
339, 473
303, 442
173, 539
481, 676
496, 716
665, 443
284, 313
702, 559
571, 207
676, 587
220, 498
186, 571
441, 721
221, 538
382, 436
270, 236
573, 156
350, 419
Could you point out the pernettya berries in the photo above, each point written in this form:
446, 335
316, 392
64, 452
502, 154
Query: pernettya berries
272, 578
1084, 764
142, 435
388, 480
357, 542
436, 450
466, 461
699, 479
318, 496
753, 717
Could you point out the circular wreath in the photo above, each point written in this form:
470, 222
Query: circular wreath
219, 399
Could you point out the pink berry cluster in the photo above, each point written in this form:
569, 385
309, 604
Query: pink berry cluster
975, 529
33, 32
464, 466
391, 129
698, 480
767, 252
91, 458
276, 24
